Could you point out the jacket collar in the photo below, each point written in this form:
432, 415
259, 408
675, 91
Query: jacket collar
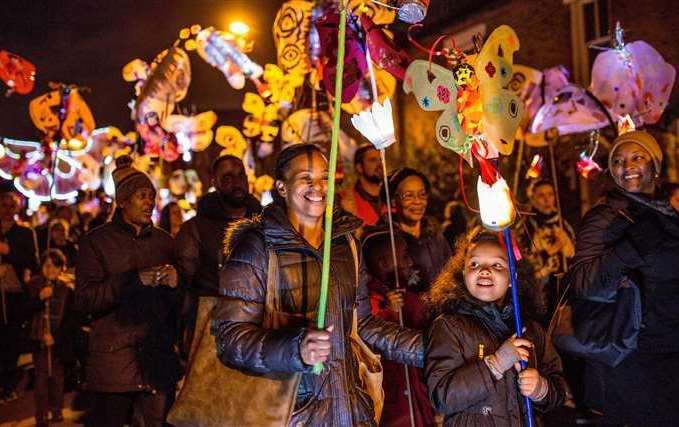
495, 319
618, 197
279, 232
119, 222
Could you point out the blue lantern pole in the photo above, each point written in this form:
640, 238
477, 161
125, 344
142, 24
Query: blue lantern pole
518, 324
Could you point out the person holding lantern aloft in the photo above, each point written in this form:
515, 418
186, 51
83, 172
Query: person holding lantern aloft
472, 357
632, 239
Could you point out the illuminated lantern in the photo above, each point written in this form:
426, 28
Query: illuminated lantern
383, 52
502, 109
17, 73
64, 112
166, 85
192, 132
221, 50
439, 94
232, 140
376, 125
412, 11
495, 204
261, 120
355, 65
535, 169
291, 36
632, 79
571, 110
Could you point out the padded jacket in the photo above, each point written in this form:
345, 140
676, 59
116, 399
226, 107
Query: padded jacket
634, 236
133, 327
461, 386
335, 397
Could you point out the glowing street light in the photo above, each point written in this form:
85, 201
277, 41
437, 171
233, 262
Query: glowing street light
239, 28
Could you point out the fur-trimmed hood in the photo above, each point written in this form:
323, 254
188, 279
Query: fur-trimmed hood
277, 231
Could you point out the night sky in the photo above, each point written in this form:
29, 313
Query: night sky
88, 43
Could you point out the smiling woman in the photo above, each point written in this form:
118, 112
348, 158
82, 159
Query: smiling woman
634, 235
270, 286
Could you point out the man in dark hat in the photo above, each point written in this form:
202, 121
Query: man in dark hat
126, 285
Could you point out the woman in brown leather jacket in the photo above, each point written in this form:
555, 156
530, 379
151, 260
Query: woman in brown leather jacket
292, 228
471, 356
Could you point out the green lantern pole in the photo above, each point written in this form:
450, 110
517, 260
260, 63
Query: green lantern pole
332, 168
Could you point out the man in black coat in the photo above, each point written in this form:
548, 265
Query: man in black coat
125, 282
18, 253
200, 239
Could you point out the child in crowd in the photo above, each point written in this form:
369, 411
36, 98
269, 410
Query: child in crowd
51, 292
472, 356
386, 302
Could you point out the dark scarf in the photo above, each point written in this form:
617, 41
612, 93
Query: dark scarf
496, 320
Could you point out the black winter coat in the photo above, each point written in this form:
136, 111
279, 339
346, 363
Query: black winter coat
22, 250
630, 235
335, 397
199, 243
461, 386
60, 304
133, 328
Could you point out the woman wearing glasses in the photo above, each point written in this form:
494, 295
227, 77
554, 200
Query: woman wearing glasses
429, 250
409, 190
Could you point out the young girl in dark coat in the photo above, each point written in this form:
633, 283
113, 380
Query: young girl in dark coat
472, 356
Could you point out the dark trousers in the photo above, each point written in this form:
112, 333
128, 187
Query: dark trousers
9, 356
49, 390
112, 409
643, 391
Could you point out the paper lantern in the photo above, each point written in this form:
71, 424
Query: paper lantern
376, 125
17, 73
62, 112
290, 32
435, 89
166, 85
221, 50
502, 109
495, 204
232, 140
571, 110
193, 132
633, 79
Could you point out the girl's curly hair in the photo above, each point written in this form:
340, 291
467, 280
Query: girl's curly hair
449, 286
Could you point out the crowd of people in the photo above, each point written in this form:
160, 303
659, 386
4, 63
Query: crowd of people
118, 297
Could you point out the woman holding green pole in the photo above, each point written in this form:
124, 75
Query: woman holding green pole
291, 229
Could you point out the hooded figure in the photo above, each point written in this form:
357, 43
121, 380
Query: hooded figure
634, 234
